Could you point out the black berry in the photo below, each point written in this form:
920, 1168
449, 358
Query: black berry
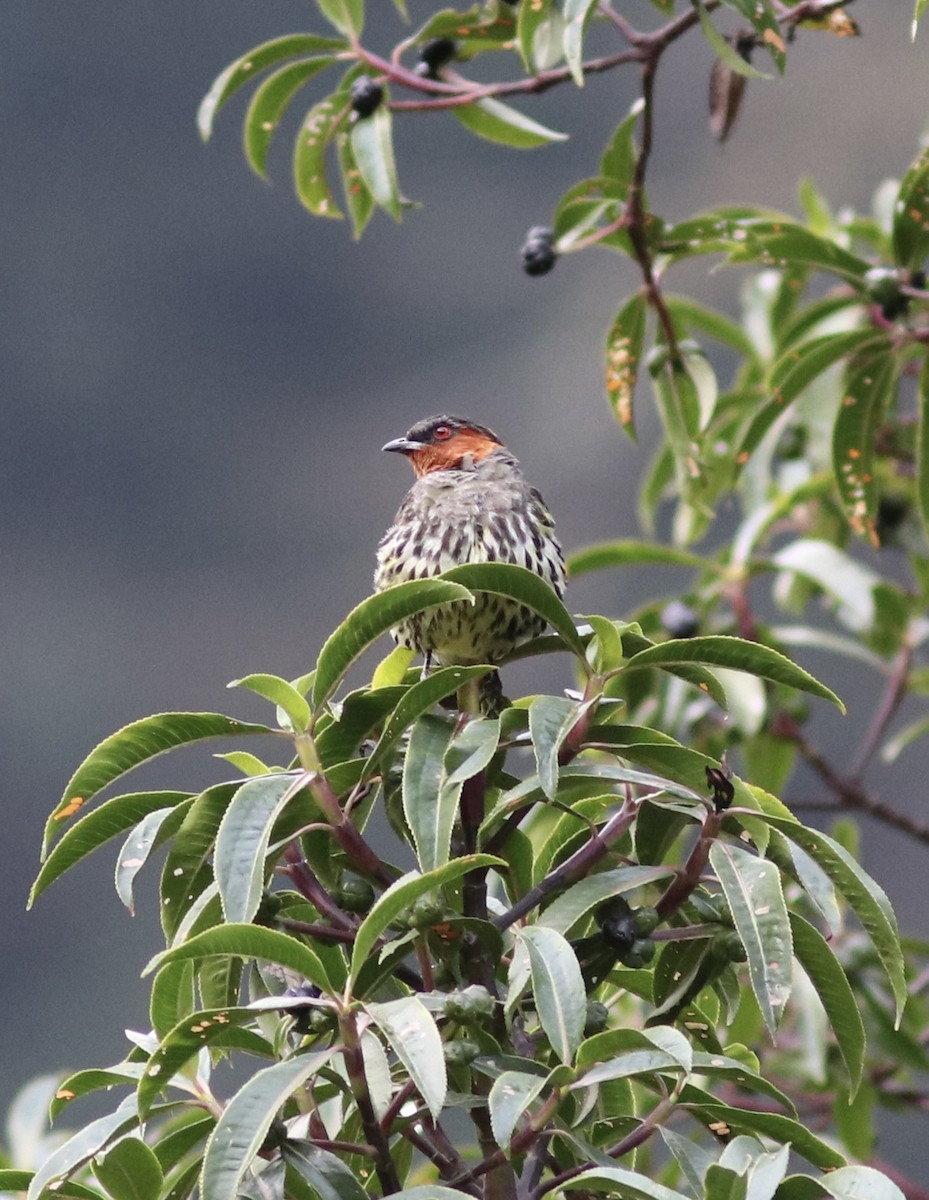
434, 54
366, 95
680, 620
538, 252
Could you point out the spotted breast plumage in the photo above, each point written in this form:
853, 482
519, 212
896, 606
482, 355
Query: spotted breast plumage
470, 503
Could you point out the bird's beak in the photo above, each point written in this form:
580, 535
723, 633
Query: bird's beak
402, 445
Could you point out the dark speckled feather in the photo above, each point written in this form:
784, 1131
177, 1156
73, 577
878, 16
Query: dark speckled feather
469, 504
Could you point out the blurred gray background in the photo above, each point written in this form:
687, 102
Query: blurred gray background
197, 378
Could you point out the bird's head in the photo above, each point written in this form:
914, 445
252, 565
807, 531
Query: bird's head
443, 443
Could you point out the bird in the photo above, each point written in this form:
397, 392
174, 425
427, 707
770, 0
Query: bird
469, 503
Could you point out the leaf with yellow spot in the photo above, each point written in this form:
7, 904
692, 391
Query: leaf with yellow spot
868, 388
623, 353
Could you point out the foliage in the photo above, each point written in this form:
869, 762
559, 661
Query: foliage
618, 958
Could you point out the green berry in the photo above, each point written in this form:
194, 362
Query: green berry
470, 1006
355, 895
882, 285
461, 1052
645, 920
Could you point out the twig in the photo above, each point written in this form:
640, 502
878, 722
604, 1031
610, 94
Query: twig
894, 692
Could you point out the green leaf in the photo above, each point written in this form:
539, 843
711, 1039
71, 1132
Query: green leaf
246, 68
508, 579
130, 1171
281, 693
412, 1034
859, 1183
471, 749
373, 151
510, 1096
323, 1171
372, 618
497, 122
82, 1147
752, 887
414, 702
269, 104
853, 585
317, 130
624, 345
629, 552
567, 909
540, 27
148, 834
242, 842
910, 235
187, 871
828, 978
97, 828
620, 1182
922, 446
736, 654
429, 807
722, 49
867, 900
84, 1083
401, 893
347, 15
868, 389
779, 1128
617, 165
185, 1041
172, 997
918, 10
246, 1119
894, 747
551, 719
577, 14
249, 941
358, 199
784, 243
558, 988
133, 745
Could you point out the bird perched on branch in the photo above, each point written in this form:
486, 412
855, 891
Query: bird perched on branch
469, 504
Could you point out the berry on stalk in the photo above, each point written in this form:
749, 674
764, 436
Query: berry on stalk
366, 95
538, 251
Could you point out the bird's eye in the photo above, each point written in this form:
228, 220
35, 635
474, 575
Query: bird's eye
442, 433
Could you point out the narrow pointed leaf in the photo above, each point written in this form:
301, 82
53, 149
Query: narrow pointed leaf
414, 702
270, 103
859, 1183
738, 655
249, 941
630, 552
372, 618
358, 199
558, 988
412, 1034
577, 14
281, 693
323, 1171
402, 893
911, 215
510, 1096
471, 749
498, 122
539, 28
752, 887
97, 828
130, 1171
133, 745
346, 15
508, 579
828, 978
246, 68
867, 391
242, 843
429, 805
624, 345
723, 50
551, 719
618, 1181
184, 1042
922, 446
188, 871
564, 912
245, 1122
82, 1147
318, 128
865, 897
372, 147
138, 846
